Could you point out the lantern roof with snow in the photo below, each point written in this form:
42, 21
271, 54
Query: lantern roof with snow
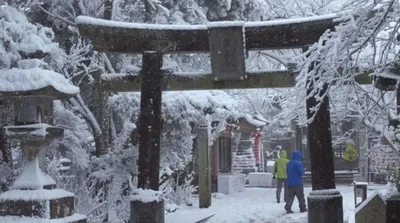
35, 82
249, 124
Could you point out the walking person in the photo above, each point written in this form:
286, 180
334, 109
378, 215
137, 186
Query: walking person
281, 176
295, 172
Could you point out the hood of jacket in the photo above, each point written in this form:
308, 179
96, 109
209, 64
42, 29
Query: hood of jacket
283, 154
296, 155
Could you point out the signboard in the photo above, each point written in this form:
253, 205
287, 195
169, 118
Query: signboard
359, 191
227, 48
381, 157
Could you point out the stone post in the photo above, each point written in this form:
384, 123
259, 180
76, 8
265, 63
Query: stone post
393, 208
204, 165
325, 206
143, 212
363, 159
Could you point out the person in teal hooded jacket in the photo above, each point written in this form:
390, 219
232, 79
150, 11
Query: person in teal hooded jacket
295, 172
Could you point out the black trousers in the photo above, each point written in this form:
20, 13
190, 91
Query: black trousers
297, 191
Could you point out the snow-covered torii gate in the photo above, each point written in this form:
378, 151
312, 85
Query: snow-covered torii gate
228, 43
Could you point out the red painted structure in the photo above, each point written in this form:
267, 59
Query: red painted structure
257, 140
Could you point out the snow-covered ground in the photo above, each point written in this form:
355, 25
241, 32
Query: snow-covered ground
256, 205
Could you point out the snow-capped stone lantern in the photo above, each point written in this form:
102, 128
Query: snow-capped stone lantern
34, 193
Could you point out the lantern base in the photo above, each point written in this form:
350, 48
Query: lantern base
76, 218
45, 204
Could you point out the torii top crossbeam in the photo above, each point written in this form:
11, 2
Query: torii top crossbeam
123, 37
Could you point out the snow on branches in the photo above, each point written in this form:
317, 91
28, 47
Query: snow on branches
22, 43
362, 41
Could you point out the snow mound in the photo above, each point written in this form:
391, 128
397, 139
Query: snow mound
34, 79
218, 195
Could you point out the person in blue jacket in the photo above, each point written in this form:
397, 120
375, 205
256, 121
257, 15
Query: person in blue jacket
295, 172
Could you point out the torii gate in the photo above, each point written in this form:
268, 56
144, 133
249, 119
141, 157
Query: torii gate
228, 43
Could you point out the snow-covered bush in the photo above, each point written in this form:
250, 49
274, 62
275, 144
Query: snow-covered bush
6, 174
394, 177
23, 45
179, 193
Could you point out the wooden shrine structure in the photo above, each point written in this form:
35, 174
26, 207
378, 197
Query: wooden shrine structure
228, 43
225, 156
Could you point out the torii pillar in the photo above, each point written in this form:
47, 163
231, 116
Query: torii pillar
325, 204
149, 140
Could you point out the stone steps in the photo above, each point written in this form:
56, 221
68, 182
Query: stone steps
340, 178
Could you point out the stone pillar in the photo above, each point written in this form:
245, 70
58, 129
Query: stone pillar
204, 165
142, 212
325, 206
362, 159
393, 208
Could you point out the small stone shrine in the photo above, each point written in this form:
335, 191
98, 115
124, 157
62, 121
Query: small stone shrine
372, 209
33, 196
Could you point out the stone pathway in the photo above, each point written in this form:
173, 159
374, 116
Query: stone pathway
254, 205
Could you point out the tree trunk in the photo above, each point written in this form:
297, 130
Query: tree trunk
6, 111
148, 11
5, 150
108, 9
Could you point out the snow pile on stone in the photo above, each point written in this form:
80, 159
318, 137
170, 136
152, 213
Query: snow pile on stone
254, 121
34, 79
33, 177
34, 195
17, 219
39, 129
108, 23
147, 196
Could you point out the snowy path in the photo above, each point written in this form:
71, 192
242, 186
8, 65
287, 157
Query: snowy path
254, 205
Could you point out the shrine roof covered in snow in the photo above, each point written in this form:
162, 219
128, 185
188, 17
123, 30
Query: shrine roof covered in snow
35, 81
139, 37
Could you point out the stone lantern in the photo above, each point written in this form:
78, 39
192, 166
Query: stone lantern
34, 193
